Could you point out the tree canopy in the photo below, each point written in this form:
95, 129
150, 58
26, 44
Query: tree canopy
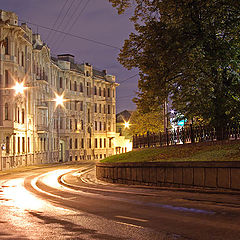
188, 50
141, 123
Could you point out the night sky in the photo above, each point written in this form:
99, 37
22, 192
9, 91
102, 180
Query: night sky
92, 19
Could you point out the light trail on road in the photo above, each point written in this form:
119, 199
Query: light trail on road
67, 202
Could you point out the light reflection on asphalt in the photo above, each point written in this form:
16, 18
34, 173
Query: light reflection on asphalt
19, 197
25, 215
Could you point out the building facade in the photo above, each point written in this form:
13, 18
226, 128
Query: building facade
33, 129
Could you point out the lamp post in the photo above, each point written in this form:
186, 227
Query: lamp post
59, 101
19, 89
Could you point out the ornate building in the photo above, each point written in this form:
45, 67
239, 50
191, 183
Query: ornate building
33, 129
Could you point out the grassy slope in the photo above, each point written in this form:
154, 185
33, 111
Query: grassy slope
216, 152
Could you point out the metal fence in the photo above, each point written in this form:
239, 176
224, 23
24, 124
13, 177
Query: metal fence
185, 135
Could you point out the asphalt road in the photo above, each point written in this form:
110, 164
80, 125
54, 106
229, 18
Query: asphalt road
67, 202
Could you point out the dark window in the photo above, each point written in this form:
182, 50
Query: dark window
96, 145
7, 144
82, 143
22, 59
41, 144
87, 73
14, 144
81, 106
44, 144
100, 92
104, 126
76, 143
23, 115
100, 126
6, 45
100, 143
70, 143
95, 125
6, 111
108, 92
95, 90
81, 87
82, 125
75, 106
44, 77
89, 143
28, 144
76, 124
105, 142
100, 108
104, 92
61, 82
70, 123
95, 107
75, 86
23, 144
18, 144
109, 109
110, 142
89, 116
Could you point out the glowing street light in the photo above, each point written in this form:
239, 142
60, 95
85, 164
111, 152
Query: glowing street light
126, 124
59, 100
19, 88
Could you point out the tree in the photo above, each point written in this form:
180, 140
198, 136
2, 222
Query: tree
188, 50
141, 123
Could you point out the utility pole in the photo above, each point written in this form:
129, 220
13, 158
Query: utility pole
165, 116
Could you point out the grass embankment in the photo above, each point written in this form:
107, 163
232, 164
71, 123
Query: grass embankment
199, 152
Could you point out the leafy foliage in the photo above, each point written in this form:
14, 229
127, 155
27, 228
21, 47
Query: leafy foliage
141, 123
188, 50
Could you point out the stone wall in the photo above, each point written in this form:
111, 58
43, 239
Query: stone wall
212, 175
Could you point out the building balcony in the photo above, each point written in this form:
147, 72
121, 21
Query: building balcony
41, 104
42, 78
42, 128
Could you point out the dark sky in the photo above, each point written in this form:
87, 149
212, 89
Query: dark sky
92, 19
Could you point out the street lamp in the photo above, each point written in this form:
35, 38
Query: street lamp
126, 124
59, 100
19, 88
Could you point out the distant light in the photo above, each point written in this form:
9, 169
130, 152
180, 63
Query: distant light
126, 124
19, 88
59, 100
181, 123
172, 112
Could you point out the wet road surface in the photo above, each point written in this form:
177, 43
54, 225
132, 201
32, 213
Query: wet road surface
67, 202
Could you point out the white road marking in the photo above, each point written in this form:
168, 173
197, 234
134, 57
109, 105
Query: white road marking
128, 224
130, 218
